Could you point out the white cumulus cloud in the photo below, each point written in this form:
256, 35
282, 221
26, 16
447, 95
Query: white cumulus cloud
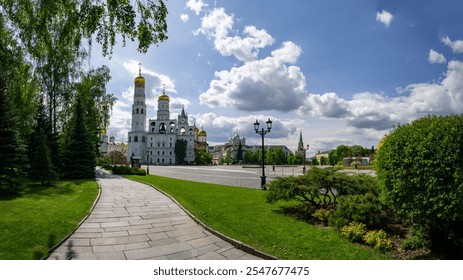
456, 46
435, 57
196, 5
380, 112
222, 128
266, 84
384, 17
217, 25
270, 83
184, 17
244, 48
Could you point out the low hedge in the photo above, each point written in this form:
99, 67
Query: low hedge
127, 170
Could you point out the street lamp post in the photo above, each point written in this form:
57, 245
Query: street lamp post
147, 162
262, 132
305, 158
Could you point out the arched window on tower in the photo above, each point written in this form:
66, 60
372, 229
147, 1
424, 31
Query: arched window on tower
162, 128
143, 138
137, 110
135, 138
142, 111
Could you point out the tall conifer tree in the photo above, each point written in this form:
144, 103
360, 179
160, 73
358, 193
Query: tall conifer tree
41, 167
79, 153
12, 154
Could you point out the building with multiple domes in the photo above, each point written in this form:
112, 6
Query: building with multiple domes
153, 140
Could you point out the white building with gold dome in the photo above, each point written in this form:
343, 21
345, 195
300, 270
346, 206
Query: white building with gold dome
156, 144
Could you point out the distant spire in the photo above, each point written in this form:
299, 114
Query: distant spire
300, 145
139, 69
183, 115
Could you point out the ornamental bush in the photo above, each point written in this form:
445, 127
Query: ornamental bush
420, 171
127, 170
354, 231
322, 215
357, 208
378, 240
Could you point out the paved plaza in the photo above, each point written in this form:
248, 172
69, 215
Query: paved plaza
134, 221
230, 175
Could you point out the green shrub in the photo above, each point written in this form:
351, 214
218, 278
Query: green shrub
359, 208
416, 241
378, 240
354, 231
359, 184
303, 212
322, 215
420, 171
127, 170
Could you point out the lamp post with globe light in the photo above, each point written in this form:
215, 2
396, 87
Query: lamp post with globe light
262, 132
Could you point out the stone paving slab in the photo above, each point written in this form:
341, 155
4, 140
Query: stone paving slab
134, 221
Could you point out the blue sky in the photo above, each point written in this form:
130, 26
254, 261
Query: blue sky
340, 71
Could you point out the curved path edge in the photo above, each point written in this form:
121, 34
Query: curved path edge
236, 243
52, 249
130, 220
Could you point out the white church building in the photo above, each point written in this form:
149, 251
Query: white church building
153, 140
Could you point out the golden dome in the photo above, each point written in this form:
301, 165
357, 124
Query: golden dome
139, 81
163, 97
195, 129
202, 133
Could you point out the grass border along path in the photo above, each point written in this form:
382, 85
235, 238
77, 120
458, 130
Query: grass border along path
42, 216
243, 214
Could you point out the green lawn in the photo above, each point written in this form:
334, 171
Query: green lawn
243, 214
42, 216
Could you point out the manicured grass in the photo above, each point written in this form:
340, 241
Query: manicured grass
42, 216
243, 214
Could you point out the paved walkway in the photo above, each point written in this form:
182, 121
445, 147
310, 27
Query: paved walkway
134, 221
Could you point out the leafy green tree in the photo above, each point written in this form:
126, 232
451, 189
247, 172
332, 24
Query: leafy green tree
295, 159
97, 103
323, 161
280, 157
203, 157
239, 153
52, 34
249, 157
116, 158
315, 161
12, 153
79, 159
228, 158
19, 79
41, 166
143, 20
180, 151
420, 168
270, 156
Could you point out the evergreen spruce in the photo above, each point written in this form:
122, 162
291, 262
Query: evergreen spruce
41, 167
180, 151
79, 153
239, 153
12, 154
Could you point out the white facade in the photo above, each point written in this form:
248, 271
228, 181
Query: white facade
156, 144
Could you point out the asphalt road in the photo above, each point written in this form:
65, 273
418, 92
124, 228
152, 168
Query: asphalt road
225, 175
231, 175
